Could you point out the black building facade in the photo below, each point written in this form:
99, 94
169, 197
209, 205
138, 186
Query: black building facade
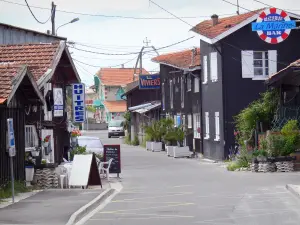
181, 94
235, 64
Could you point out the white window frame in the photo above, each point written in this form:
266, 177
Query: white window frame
163, 96
189, 83
217, 126
196, 125
182, 91
207, 136
214, 66
171, 93
31, 137
196, 84
175, 120
205, 70
190, 121
248, 64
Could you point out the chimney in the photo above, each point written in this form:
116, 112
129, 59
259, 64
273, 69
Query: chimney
215, 19
193, 56
122, 66
48, 32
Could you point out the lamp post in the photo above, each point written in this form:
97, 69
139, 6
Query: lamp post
72, 21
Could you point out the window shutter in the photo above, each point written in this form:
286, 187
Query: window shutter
196, 84
272, 54
205, 74
207, 125
217, 126
214, 66
247, 64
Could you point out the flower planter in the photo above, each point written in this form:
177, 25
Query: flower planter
170, 150
156, 146
73, 139
181, 152
35, 153
29, 172
148, 145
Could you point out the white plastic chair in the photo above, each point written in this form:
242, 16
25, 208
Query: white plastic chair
103, 169
63, 176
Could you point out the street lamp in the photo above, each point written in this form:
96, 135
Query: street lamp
72, 21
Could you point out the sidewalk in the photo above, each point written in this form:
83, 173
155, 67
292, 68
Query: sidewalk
54, 206
294, 189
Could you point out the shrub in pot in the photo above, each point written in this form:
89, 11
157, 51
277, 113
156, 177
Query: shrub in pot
170, 140
180, 150
150, 136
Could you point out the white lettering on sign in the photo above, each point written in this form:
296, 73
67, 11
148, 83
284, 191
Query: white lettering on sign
78, 92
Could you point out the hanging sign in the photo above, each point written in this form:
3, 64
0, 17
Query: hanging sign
58, 102
149, 81
11, 137
273, 25
78, 91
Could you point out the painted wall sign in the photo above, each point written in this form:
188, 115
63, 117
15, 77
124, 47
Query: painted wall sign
78, 91
58, 102
273, 25
149, 81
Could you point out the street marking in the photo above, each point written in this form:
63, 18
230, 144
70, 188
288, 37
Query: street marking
152, 214
241, 217
163, 188
124, 201
155, 207
135, 218
161, 196
239, 195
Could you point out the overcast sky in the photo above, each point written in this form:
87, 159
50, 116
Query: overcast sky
114, 35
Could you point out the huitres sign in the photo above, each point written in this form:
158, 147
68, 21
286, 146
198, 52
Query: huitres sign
78, 102
273, 25
149, 81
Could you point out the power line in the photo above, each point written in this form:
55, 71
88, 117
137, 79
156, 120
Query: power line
111, 16
273, 6
131, 53
35, 16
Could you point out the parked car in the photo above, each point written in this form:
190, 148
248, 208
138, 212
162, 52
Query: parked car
92, 144
116, 128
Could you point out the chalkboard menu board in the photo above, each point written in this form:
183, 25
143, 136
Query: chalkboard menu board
114, 152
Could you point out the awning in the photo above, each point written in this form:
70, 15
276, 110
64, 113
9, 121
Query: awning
148, 108
98, 104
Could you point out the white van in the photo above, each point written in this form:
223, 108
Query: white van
116, 128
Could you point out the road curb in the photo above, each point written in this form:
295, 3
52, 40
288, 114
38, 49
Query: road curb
86, 209
292, 189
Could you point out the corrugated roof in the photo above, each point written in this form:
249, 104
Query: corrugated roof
118, 76
182, 59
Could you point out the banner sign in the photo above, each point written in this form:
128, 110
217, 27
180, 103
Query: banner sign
78, 91
149, 81
273, 25
58, 102
11, 137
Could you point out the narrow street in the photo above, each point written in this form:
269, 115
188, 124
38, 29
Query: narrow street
162, 190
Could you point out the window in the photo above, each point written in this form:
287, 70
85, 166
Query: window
182, 92
163, 96
196, 125
189, 83
206, 125
258, 65
217, 126
171, 94
190, 125
183, 121
31, 137
214, 66
175, 120
205, 73
196, 84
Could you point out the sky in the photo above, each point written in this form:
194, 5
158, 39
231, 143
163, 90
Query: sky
113, 35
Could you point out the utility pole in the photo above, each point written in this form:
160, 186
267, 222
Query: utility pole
238, 7
147, 42
53, 9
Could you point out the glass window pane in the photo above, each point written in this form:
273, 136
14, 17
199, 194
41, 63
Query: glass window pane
266, 55
266, 63
258, 71
267, 71
257, 55
258, 63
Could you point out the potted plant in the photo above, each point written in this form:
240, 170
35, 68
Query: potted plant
74, 135
180, 150
35, 152
170, 141
150, 136
156, 145
166, 125
46, 141
29, 168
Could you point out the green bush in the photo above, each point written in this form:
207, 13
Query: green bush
232, 166
290, 128
136, 141
78, 150
5, 190
127, 139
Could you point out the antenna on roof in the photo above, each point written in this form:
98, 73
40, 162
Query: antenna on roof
238, 7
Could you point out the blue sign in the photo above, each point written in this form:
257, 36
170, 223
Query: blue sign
10, 133
149, 81
178, 120
273, 25
78, 91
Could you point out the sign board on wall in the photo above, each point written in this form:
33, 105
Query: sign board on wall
273, 25
11, 137
149, 81
58, 102
78, 92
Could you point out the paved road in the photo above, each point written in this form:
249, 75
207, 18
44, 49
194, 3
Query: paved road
161, 190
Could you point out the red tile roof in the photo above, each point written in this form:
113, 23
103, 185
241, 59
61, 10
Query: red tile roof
181, 59
116, 106
293, 64
117, 76
38, 57
207, 29
7, 73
